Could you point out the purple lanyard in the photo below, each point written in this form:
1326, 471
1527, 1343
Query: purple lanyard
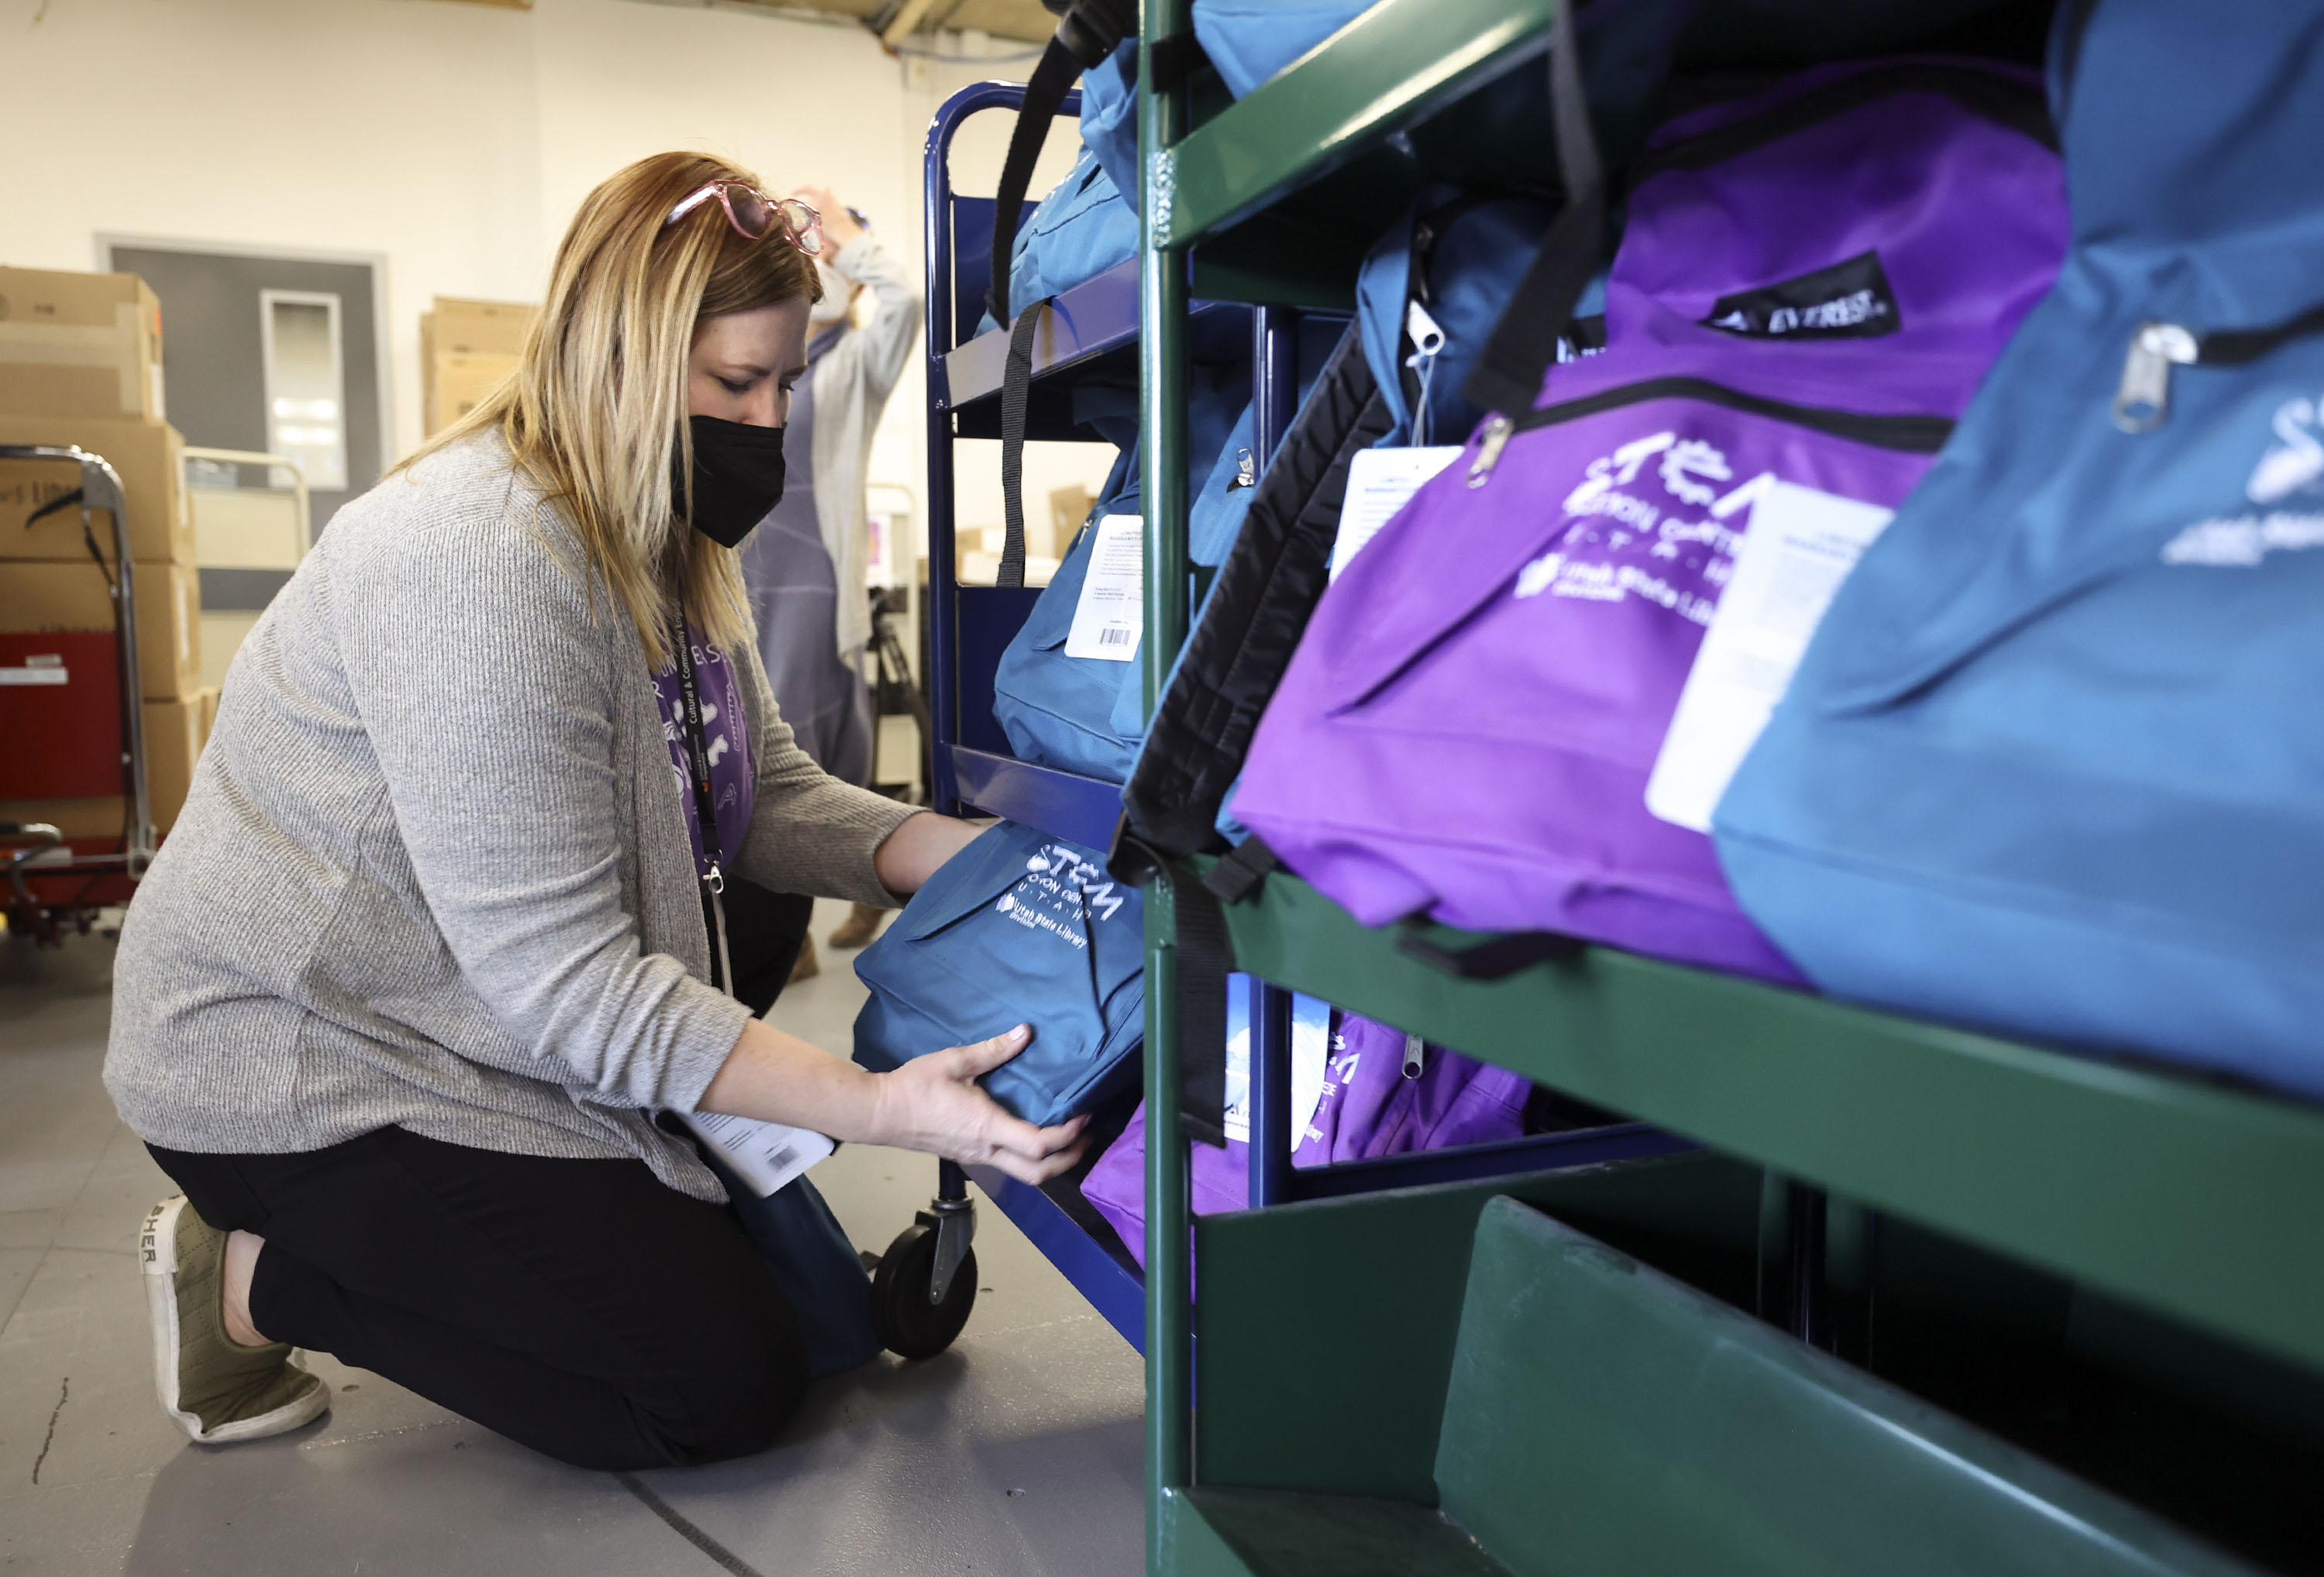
697, 754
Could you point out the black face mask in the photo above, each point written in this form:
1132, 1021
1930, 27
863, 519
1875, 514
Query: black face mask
738, 477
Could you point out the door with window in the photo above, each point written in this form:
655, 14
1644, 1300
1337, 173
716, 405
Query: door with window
279, 355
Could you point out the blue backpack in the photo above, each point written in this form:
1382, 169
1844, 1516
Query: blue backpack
1088, 223
1083, 227
1085, 714
1428, 296
1019, 927
2053, 762
1249, 41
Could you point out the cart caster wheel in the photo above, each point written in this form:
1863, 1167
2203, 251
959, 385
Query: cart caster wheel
908, 1324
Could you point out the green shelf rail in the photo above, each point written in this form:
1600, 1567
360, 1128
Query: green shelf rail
1387, 69
2198, 1201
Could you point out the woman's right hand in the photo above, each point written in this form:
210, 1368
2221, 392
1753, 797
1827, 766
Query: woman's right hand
933, 1104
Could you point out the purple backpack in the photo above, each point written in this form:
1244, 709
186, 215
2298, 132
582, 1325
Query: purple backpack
1808, 289
1369, 1106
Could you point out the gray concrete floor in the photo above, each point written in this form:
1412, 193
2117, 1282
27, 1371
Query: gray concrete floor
1017, 1453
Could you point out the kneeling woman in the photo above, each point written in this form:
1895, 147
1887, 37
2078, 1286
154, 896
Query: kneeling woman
414, 1001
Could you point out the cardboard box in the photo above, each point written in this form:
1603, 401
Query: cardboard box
100, 818
79, 345
462, 328
224, 630
247, 528
174, 737
44, 597
458, 385
1069, 507
465, 350
175, 734
150, 457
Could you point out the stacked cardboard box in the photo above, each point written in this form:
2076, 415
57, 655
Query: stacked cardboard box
79, 345
466, 349
80, 363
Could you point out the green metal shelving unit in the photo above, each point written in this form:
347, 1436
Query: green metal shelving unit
2193, 1201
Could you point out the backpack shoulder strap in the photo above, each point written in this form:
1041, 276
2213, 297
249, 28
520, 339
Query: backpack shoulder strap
1016, 394
1088, 32
1506, 378
1256, 609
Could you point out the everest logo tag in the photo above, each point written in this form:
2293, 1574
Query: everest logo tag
1626, 544
1848, 300
2294, 464
1059, 892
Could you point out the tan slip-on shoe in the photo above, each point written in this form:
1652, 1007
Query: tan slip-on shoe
861, 924
215, 1388
807, 965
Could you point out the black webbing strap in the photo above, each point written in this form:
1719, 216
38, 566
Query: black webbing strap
1043, 94
1258, 607
1205, 958
79, 499
1015, 393
1508, 375
1086, 35
1237, 875
1496, 958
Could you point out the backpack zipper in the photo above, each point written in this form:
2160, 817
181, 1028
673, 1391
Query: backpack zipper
2141, 401
1919, 434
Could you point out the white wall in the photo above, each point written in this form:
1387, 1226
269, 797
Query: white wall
454, 141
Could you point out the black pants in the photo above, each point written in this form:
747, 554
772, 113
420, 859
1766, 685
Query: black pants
764, 933
580, 1307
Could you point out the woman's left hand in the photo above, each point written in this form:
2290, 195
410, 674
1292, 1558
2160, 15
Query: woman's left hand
932, 1103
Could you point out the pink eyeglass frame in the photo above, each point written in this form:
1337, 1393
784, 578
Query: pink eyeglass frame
807, 237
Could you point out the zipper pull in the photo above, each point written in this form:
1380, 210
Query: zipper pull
1496, 437
2143, 400
1427, 334
1246, 471
1415, 1053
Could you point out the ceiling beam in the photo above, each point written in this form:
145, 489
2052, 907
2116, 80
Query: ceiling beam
907, 19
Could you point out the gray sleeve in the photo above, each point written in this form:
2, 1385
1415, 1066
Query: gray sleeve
809, 831
477, 659
876, 352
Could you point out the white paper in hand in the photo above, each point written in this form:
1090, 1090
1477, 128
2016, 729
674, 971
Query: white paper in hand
1111, 612
765, 1155
1380, 482
1800, 546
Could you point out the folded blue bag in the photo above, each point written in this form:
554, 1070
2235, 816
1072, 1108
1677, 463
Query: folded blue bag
1019, 927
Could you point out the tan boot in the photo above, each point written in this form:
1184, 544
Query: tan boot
214, 1387
860, 926
806, 966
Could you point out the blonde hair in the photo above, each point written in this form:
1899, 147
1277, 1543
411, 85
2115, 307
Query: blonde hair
594, 414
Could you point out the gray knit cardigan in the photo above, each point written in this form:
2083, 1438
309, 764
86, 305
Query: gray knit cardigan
434, 870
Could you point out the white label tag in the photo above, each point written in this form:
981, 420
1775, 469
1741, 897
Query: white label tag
29, 675
767, 1156
1111, 612
1380, 482
1801, 545
1310, 1049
